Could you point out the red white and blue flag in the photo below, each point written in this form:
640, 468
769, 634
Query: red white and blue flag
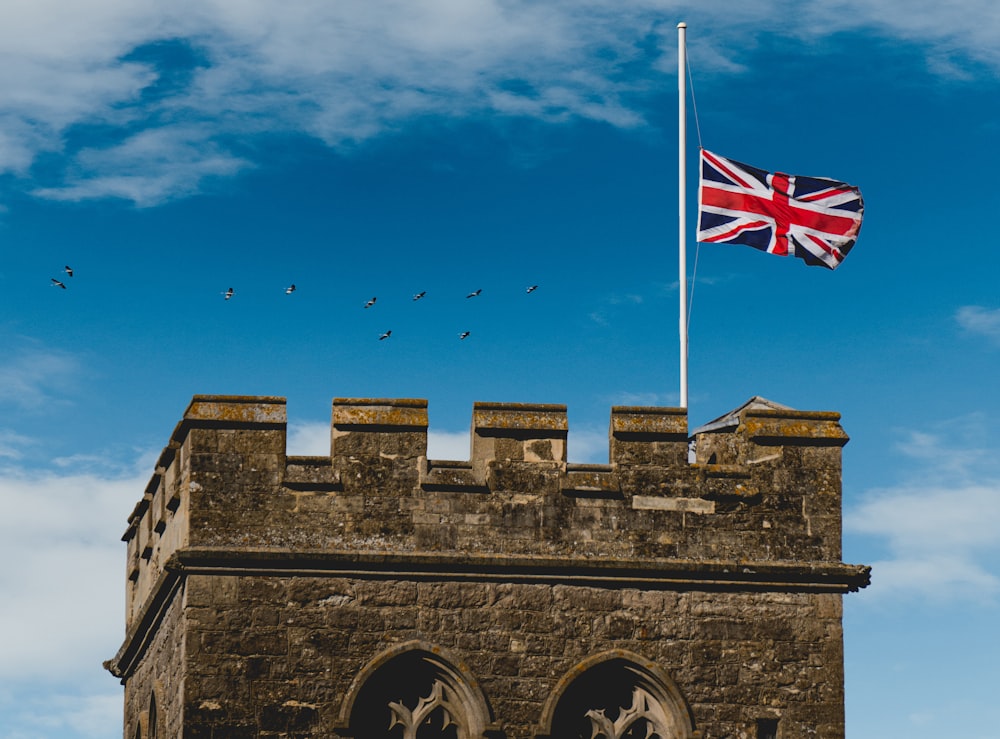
813, 218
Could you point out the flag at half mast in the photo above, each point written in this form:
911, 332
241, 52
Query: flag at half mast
813, 218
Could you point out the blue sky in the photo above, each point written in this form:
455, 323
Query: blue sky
169, 151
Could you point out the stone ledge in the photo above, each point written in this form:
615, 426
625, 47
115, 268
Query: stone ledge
593, 481
687, 505
311, 473
448, 476
653, 573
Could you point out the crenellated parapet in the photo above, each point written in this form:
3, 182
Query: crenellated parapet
689, 587
756, 501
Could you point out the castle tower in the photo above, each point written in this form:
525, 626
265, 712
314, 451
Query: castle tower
377, 593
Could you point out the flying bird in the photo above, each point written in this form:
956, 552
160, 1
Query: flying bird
463, 336
475, 293
532, 289
370, 303
68, 270
290, 289
420, 294
56, 283
385, 336
228, 293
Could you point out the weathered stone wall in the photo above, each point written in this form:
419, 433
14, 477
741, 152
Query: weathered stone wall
159, 677
280, 653
292, 574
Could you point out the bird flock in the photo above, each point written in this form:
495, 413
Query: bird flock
418, 296
58, 283
230, 292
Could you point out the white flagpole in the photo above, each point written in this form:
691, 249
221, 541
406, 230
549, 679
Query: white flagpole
681, 205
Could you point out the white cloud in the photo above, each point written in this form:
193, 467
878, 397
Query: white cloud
348, 71
342, 72
308, 439
62, 575
939, 526
62, 571
31, 713
980, 321
148, 168
455, 445
34, 376
952, 33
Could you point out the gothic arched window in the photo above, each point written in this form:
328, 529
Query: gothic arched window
414, 693
616, 697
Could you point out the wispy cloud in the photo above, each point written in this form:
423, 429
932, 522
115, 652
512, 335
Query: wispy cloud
953, 35
11, 444
308, 439
165, 91
939, 525
34, 376
449, 444
147, 168
612, 305
587, 445
980, 321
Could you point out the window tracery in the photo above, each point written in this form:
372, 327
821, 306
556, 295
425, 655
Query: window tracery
434, 713
614, 697
415, 694
644, 719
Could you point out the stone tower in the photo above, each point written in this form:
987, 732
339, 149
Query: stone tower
375, 593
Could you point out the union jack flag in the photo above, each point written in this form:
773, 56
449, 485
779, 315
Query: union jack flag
813, 218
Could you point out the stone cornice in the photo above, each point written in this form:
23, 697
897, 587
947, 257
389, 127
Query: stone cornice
658, 573
719, 575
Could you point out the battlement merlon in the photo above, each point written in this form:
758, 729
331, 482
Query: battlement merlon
765, 486
750, 434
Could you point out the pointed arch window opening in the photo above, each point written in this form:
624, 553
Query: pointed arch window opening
417, 694
618, 698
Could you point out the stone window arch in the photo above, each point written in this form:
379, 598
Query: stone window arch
617, 695
415, 692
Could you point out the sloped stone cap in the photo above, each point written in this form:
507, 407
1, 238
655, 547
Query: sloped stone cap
520, 416
237, 409
382, 412
731, 420
764, 421
655, 421
773, 426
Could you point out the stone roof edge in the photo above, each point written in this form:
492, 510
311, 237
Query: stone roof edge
824, 576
